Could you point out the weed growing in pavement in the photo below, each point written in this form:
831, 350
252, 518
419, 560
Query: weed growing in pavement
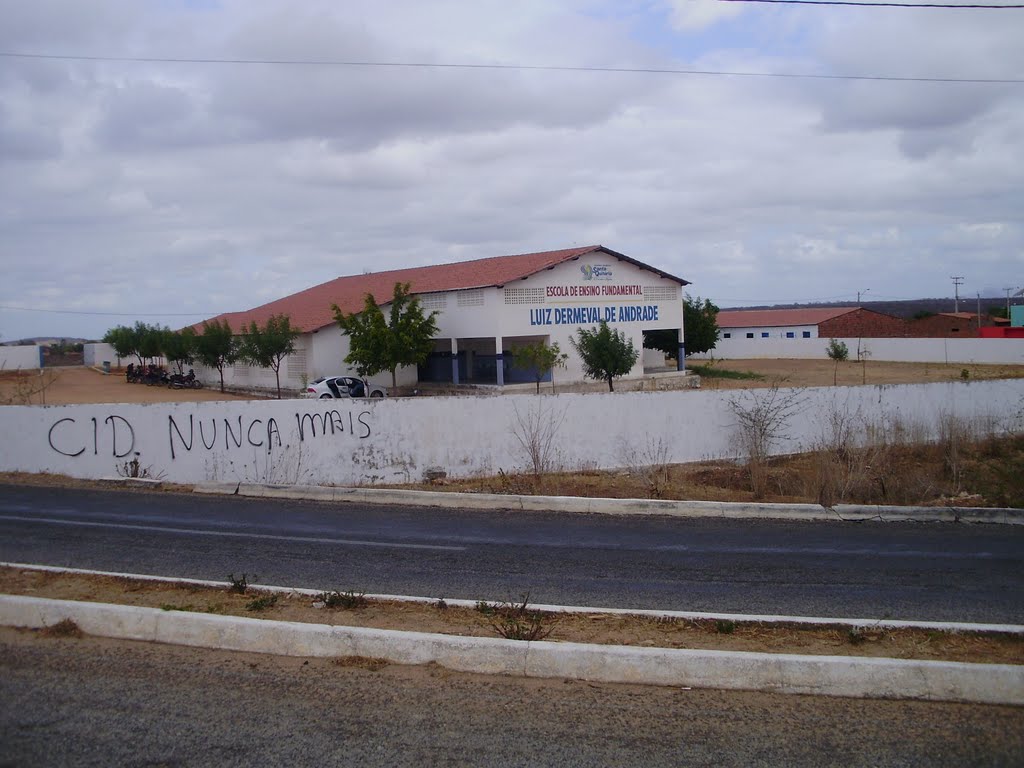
63, 628
725, 626
261, 603
441, 605
856, 636
348, 601
241, 584
515, 621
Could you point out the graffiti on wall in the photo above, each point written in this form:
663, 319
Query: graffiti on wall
72, 437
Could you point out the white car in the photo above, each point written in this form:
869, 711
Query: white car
335, 387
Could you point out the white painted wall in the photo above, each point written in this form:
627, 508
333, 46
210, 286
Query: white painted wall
22, 357
96, 353
906, 350
396, 440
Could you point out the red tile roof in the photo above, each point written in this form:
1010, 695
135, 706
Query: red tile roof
768, 318
311, 309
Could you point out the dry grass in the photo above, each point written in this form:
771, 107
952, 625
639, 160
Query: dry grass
988, 475
600, 628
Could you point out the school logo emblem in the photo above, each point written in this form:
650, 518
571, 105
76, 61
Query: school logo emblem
596, 271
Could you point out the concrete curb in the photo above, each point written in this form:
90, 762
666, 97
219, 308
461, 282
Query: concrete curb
779, 673
720, 509
753, 618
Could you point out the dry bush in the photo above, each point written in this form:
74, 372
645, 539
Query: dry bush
650, 464
535, 432
26, 387
762, 419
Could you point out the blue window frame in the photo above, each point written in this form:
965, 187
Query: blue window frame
807, 334
750, 335
726, 335
790, 335
764, 334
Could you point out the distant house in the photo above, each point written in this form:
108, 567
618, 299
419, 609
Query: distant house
948, 325
809, 323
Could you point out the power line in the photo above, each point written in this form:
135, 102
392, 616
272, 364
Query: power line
109, 314
505, 67
865, 3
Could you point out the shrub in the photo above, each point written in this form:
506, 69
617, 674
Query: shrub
348, 601
261, 603
239, 585
515, 621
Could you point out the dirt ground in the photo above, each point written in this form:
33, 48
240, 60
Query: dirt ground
822, 373
64, 386
610, 629
86, 385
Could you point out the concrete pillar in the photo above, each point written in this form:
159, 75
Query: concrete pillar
499, 361
681, 354
455, 361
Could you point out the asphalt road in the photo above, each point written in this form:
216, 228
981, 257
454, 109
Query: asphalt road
96, 702
926, 571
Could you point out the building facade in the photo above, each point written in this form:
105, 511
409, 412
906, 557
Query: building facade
486, 309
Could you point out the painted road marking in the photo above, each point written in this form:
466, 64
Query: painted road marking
230, 534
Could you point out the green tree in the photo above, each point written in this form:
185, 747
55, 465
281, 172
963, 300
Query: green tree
541, 357
377, 344
268, 346
606, 353
700, 325
837, 351
142, 341
122, 339
179, 348
217, 347
149, 340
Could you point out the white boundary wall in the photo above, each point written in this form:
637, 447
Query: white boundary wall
350, 442
993, 351
23, 358
98, 352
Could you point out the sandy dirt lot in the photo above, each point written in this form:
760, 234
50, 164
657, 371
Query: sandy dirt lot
84, 385
597, 628
822, 373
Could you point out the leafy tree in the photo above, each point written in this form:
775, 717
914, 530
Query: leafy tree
700, 325
142, 341
541, 357
606, 353
122, 339
179, 347
217, 347
268, 346
837, 351
149, 340
379, 344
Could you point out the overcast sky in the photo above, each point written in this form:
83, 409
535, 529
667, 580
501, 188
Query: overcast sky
155, 190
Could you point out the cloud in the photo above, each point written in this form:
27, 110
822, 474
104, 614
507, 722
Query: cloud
176, 188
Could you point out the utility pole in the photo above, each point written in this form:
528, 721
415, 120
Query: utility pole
859, 293
1007, 301
957, 282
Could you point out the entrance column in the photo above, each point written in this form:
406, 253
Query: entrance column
455, 360
499, 361
681, 354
